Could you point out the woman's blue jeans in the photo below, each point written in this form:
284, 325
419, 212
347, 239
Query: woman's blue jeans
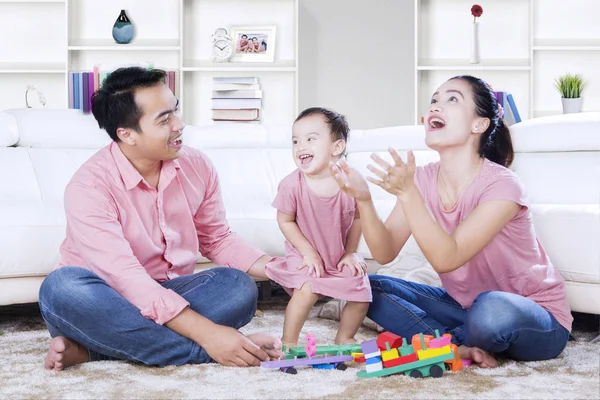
497, 322
77, 304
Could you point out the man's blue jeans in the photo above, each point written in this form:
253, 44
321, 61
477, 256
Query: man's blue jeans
77, 304
497, 322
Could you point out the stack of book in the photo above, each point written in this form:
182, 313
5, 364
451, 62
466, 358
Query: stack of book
83, 84
236, 99
511, 113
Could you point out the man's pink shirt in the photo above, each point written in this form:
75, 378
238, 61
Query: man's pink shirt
134, 236
514, 261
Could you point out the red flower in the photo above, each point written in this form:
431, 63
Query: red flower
476, 11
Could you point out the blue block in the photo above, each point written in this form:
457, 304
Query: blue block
373, 360
324, 366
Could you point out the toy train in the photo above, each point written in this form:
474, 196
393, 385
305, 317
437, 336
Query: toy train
427, 355
321, 357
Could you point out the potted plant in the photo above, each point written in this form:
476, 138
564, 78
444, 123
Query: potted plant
570, 87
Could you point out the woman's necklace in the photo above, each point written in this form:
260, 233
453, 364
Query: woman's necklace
450, 202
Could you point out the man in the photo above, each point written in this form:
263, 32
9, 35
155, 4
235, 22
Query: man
138, 212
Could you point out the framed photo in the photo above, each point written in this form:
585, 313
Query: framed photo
253, 43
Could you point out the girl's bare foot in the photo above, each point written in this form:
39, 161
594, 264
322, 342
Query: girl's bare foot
478, 356
345, 341
64, 353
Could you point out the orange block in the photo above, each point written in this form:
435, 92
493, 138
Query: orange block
416, 342
456, 363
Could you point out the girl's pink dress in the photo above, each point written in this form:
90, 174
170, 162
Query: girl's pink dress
325, 222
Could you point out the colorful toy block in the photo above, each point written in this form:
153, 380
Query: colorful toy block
440, 342
406, 349
401, 360
419, 359
305, 361
370, 349
392, 339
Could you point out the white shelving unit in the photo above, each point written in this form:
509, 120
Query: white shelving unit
45, 39
525, 46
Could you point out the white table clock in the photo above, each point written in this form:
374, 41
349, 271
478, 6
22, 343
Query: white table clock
222, 47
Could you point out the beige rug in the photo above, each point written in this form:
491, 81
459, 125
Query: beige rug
24, 340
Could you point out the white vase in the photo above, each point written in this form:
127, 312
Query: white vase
571, 105
475, 56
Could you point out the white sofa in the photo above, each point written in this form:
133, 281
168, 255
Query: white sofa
558, 158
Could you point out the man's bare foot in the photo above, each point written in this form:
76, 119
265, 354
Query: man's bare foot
478, 356
268, 343
64, 353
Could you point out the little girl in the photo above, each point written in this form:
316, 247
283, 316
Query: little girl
322, 230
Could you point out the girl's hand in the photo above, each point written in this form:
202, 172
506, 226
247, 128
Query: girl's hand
355, 262
350, 181
397, 179
314, 263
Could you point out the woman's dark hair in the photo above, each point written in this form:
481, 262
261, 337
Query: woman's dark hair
495, 143
113, 104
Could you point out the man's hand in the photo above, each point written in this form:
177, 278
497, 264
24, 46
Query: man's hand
229, 347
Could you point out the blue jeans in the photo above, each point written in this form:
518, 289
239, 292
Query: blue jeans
497, 322
77, 304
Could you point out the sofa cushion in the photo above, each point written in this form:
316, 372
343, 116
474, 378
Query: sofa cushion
58, 128
9, 130
563, 132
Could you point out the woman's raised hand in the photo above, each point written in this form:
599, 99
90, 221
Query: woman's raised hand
396, 179
350, 181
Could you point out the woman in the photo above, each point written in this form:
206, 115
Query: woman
469, 215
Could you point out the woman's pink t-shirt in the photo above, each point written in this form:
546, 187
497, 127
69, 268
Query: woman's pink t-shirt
514, 261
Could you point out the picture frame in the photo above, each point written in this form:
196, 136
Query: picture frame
253, 43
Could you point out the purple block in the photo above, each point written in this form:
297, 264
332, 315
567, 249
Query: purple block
369, 347
305, 361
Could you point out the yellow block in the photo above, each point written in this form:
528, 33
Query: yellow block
429, 353
389, 355
355, 355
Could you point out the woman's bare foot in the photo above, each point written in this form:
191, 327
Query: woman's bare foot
64, 353
478, 356
268, 343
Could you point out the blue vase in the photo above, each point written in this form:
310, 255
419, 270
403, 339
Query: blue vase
122, 30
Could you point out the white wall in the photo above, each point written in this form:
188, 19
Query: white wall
357, 57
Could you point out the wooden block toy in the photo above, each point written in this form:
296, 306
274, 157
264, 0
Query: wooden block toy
401, 360
417, 343
389, 354
372, 367
433, 367
311, 345
406, 349
429, 353
370, 349
344, 349
305, 361
456, 363
439, 342
392, 339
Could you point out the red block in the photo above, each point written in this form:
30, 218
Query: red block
401, 360
394, 340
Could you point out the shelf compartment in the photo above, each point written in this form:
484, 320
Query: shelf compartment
588, 44
32, 68
135, 45
209, 66
458, 64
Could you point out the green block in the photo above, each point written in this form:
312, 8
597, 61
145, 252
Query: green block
406, 350
427, 363
345, 349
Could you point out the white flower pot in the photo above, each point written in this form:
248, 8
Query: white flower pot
571, 105
475, 56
